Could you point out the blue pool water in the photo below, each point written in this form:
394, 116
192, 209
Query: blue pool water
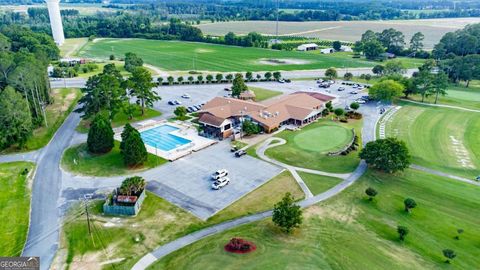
160, 137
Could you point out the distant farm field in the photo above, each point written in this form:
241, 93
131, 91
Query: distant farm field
350, 31
185, 56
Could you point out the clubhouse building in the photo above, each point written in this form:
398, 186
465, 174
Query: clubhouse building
220, 116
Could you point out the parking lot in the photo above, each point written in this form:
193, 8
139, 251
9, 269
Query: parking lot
186, 182
202, 93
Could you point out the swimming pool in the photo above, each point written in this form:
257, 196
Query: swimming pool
160, 137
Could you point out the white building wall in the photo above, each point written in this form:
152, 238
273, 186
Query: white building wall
56, 21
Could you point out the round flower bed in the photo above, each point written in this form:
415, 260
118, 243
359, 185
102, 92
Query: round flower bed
238, 245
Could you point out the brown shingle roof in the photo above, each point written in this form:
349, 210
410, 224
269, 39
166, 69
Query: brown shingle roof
316, 95
297, 106
210, 119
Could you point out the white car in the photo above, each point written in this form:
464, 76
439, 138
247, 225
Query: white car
360, 101
187, 96
220, 183
219, 174
354, 92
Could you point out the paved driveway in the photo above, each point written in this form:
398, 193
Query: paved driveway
186, 182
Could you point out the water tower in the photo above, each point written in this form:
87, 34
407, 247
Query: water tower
55, 21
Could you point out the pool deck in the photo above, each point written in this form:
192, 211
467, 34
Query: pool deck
185, 130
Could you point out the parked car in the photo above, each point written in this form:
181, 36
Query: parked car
382, 110
281, 81
186, 96
240, 153
219, 174
171, 102
360, 101
176, 102
227, 89
354, 92
190, 109
366, 98
288, 80
221, 182
198, 107
341, 89
320, 81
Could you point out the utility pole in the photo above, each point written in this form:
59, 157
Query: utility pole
88, 197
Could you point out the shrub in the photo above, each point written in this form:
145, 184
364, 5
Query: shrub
100, 135
238, 245
133, 186
449, 254
371, 193
402, 232
250, 128
409, 204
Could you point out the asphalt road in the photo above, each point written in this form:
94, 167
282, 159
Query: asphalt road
43, 234
296, 74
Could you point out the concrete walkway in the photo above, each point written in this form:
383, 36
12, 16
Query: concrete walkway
184, 241
274, 142
442, 106
447, 175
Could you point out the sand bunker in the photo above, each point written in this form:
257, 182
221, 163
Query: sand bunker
276, 62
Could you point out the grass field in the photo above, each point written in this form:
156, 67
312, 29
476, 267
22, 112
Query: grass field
306, 148
124, 238
349, 232
261, 199
458, 95
64, 101
15, 205
121, 119
185, 56
319, 183
263, 94
439, 138
77, 160
349, 31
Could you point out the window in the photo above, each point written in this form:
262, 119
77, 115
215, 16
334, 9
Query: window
227, 127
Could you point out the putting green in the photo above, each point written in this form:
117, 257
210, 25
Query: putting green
323, 138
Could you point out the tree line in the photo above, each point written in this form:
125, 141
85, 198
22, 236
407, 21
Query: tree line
24, 85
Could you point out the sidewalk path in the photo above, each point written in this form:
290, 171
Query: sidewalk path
447, 175
442, 106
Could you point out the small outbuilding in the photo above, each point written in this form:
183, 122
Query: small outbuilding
307, 47
327, 51
247, 95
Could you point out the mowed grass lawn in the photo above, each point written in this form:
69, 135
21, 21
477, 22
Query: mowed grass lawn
349, 232
319, 183
15, 205
185, 56
121, 119
261, 199
262, 94
78, 160
308, 147
439, 138
64, 101
123, 237
457, 95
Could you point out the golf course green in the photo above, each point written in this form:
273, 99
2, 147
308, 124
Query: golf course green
323, 138
308, 147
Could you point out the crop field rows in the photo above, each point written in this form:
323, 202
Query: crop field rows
349, 31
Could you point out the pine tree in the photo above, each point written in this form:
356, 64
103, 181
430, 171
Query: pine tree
127, 130
100, 135
134, 152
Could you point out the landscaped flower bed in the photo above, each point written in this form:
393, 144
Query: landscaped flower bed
238, 245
